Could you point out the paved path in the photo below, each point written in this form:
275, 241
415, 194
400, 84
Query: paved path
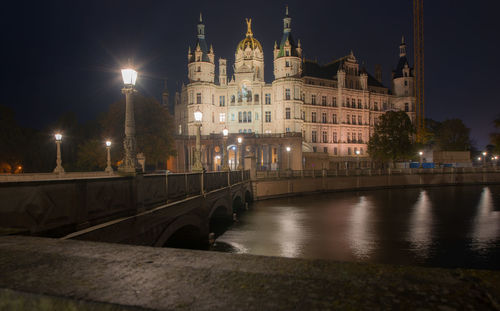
49, 274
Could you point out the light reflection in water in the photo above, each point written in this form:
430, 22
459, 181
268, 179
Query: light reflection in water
485, 228
420, 235
360, 232
290, 233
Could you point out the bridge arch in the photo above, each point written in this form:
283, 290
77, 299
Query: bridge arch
188, 231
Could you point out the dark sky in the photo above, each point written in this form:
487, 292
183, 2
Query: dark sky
66, 55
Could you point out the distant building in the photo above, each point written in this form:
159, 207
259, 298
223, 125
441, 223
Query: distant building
326, 113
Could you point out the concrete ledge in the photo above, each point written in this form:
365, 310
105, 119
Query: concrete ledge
40, 273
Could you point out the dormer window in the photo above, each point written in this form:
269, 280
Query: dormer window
287, 64
287, 53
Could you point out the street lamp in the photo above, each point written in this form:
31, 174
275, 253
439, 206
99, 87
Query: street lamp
108, 169
59, 169
130, 164
357, 157
197, 167
225, 155
288, 149
240, 155
484, 158
420, 154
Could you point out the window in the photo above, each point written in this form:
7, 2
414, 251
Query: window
287, 130
249, 116
232, 99
303, 115
323, 117
334, 118
245, 117
353, 119
360, 138
315, 149
191, 101
313, 117
213, 117
348, 137
213, 100
360, 104
375, 106
222, 117
287, 53
353, 137
268, 99
360, 120
347, 102
287, 63
287, 113
406, 83
325, 149
334, 101
222, 101
256, 116
232, 116
353, 105
198, 98
348, 119
349, 151
287, 94
268, 116
323, 100
240, 117
334, 137
385, 106
360, 150
407, 107
313, 99
335, 150
314, 137
256, 98
324, 136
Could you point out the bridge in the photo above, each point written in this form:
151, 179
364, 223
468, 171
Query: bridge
152, 209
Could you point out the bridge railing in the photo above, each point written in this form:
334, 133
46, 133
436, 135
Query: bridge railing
372, 172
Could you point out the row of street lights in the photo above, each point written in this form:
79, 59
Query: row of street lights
485, 154
59, 168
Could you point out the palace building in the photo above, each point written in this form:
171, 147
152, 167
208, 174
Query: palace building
324, 113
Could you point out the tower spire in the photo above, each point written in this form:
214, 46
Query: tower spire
201, 28
402, 47
201, 18
249, 27
287, 21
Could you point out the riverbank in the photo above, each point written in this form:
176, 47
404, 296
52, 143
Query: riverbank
268, 188
50, 274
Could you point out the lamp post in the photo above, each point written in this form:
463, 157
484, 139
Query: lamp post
357, 157
225, 155
59, 169
484, 158
496, 160
108, 168
288, 149
130, 164
240, 153
197, 167
420, 154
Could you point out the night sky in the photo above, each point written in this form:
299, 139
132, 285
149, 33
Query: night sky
66, 55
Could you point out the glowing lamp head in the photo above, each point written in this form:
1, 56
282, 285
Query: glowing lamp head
479, 158
420, 153
492, 158
198, 115
496, 157
240, 140
108, 143
58, 137
225, 132
129, 76
484, 153
357, 152
288, 149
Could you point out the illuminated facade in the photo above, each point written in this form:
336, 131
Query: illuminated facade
331, 108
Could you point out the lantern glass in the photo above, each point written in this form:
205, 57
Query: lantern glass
108, 143
240, 140
198, 115
225, 131
288, 149
58, 137
129, 76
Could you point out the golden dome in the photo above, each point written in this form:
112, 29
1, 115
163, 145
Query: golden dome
249, 41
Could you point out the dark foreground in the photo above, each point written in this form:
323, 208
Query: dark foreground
48, 274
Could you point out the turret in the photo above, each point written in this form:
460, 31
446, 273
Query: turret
222, 71
402, 76
201, 66
287, 55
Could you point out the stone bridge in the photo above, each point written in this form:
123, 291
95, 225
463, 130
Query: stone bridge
155, 209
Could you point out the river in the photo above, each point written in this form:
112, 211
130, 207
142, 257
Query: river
436, 226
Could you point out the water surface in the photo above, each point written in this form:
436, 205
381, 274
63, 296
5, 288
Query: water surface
435, 226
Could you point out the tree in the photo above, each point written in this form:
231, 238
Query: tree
392, 139
12, 141
91, 155
495, 137
154, 128
452, 135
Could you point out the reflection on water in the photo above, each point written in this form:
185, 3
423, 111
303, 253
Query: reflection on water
486, 223
421, 225
438, 226
360, 232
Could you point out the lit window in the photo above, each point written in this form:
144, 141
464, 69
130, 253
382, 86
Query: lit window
222, 117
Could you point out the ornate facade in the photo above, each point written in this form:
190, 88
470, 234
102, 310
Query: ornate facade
330, 109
